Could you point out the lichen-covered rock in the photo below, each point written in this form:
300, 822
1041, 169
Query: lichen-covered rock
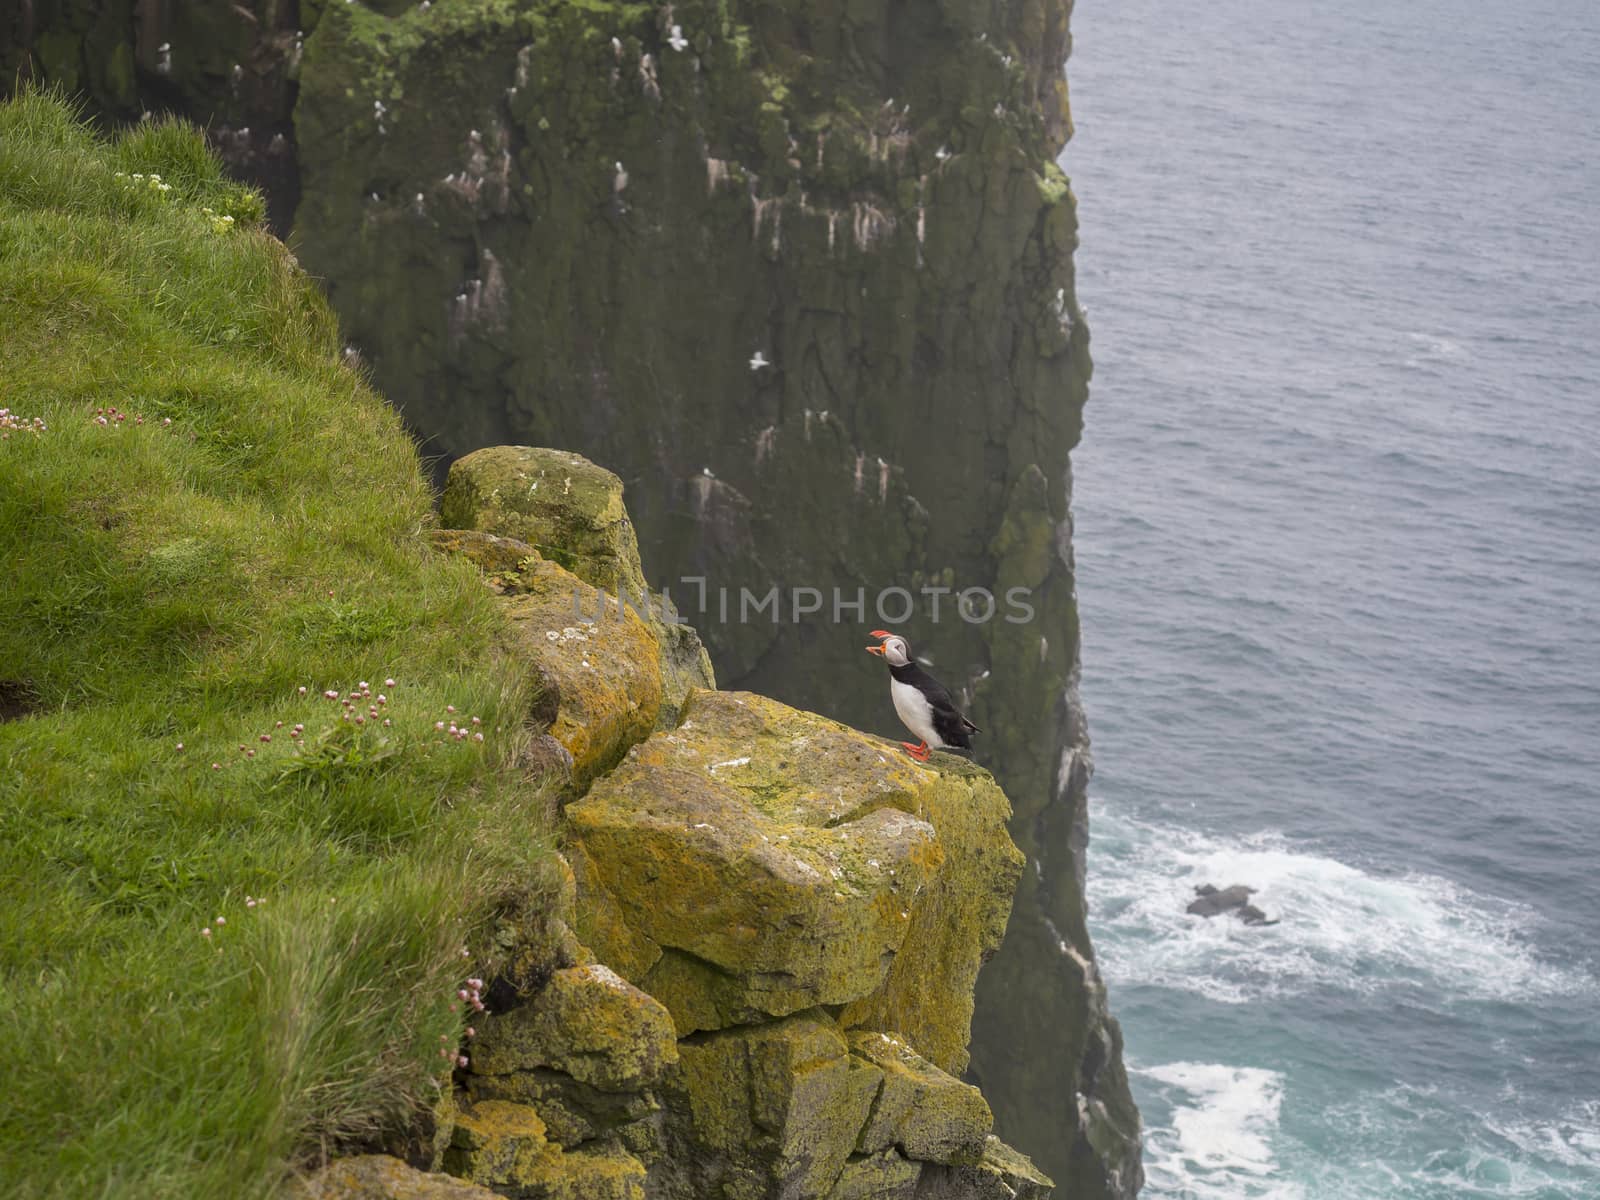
601, 678
495, 1141
501, 499
502, 1145
380, 1177
1001, 1174
925, 1113
501, 559
772, 1109
777, 852
565, 506
957, 922
573, 1112
883, 1176
685, 665
587, 1022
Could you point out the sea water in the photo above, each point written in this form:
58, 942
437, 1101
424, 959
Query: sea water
1338, 538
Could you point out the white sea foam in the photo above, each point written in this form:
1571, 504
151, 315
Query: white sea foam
1214, 1134
1573, 1140
1218, 1142
1341, 927
1433, 345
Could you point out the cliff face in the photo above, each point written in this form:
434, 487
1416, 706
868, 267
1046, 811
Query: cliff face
802, 275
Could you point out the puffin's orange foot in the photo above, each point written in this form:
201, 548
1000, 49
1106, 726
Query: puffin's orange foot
920, 753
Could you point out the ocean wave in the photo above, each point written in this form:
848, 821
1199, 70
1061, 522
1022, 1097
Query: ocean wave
1477, 1155
1219, 1132
1341, 927
1218, 1142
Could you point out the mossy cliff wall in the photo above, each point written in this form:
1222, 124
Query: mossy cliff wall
582, 223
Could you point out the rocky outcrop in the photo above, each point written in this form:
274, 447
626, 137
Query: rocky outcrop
1211, 901
759, 981
381, 1177
802, 277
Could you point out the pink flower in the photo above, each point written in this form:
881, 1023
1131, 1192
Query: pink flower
302, 690
438, 725
216, 766
267, 737
471, 1032
388, 683
462, 994
222, 920
387, 722
450, 708
180, 745
461, 1060
205, 932
249, 753
477, 721
477, 737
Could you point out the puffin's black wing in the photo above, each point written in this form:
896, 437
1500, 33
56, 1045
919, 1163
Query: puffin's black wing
948, 721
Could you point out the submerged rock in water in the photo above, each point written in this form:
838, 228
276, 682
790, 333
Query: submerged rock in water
1210, 901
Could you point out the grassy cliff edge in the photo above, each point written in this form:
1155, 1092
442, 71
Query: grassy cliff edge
235, 909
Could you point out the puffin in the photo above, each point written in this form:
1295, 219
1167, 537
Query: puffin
922, 702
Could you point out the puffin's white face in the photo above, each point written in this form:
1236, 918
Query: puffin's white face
894, 649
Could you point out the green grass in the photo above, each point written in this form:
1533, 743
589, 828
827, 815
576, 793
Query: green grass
178, 579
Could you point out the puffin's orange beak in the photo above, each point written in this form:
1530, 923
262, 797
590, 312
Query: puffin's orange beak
881, 633
878, 650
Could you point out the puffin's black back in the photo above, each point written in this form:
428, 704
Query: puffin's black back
948, 722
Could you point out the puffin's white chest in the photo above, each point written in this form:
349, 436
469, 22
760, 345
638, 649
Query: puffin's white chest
915, 712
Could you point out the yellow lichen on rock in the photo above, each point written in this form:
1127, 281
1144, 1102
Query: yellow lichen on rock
502, 1145
601, 679
380, 1177
501, 559
957, 922
920, 1110
884, 1176
586, 1022
561, 503
777, 1103
777, 852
